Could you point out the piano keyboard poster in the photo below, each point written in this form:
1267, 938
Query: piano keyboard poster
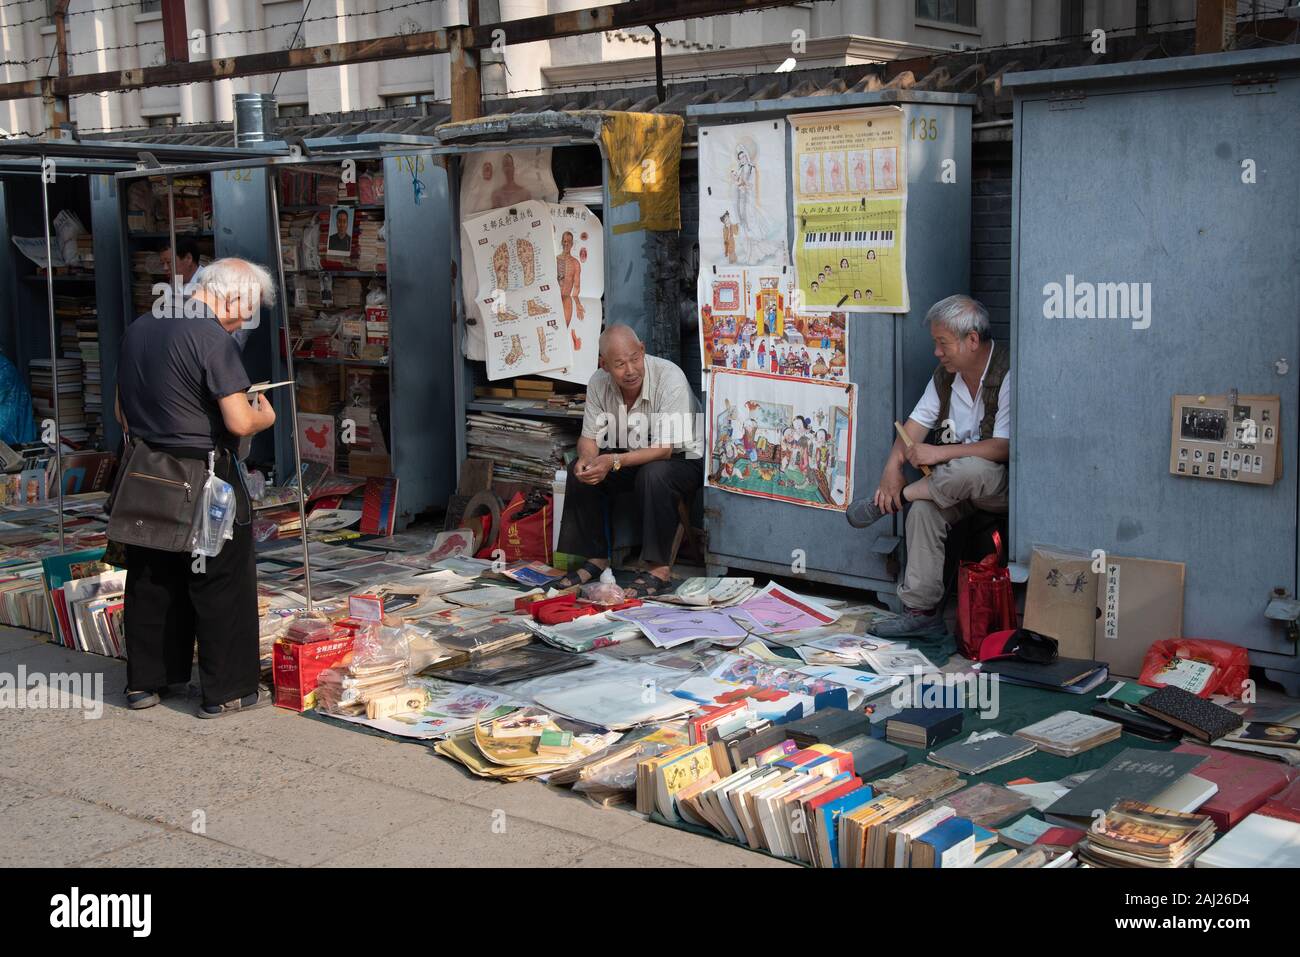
781, 438
850, 205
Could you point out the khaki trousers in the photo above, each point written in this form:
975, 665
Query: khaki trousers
960, 487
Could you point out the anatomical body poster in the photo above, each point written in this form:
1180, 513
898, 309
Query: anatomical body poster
580, 271
491, 180
781, 438
514, 262
743, 216
850, 206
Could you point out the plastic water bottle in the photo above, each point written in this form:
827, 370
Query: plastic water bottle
215, 520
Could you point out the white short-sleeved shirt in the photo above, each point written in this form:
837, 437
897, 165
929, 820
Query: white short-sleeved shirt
666, 412
966, 413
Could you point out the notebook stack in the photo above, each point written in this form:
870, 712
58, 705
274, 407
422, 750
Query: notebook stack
1069, 733
923, 727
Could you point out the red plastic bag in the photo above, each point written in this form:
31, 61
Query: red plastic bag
1202, 666
984, 601
526, 539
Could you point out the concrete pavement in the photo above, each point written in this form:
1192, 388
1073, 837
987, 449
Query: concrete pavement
271, 788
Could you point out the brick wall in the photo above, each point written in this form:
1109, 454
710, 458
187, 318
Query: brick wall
990, 252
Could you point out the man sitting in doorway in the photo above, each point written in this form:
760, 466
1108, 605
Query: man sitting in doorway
968, 404
639, 433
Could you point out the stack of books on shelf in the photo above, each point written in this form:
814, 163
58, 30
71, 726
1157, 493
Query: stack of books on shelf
79, 339
522, 450
72, 409
369, 246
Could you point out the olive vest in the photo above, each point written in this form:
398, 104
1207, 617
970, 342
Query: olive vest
999, 364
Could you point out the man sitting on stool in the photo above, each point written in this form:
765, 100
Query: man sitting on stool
968, 403
638, 432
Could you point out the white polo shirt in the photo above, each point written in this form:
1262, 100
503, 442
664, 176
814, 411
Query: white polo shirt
966, 412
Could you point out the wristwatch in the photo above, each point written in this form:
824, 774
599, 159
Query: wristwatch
618, 463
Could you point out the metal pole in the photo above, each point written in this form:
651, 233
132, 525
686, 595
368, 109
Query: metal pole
54, 349
274, 176
175, 278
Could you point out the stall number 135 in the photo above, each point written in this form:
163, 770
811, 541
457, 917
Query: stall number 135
924, 129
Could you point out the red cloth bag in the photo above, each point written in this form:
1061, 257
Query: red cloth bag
984, 601
526, 539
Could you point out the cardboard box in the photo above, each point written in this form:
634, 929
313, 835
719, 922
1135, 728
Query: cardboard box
296, 669
1139, 601
1061, 600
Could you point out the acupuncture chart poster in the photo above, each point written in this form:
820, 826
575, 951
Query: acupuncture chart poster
514, 262
580, 271
849, 180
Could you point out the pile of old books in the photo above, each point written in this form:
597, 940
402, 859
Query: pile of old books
72, 408
527, 743
522, 450
1134, 834
1069, 733
371, 250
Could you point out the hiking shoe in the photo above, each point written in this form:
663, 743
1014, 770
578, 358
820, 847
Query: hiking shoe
913, 623
248, 702
863, 513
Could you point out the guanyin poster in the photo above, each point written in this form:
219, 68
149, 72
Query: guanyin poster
743, 218
781, 438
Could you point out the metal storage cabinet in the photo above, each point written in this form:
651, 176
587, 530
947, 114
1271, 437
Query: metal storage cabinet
1133, 173
640, 264
891, 355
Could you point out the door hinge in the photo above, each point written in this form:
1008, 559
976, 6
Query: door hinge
1248, 83
1068, 100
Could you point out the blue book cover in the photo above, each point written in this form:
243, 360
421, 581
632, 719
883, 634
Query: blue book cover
828, 817
947, 835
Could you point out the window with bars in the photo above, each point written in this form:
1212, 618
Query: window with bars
170, 119
958, 12
410, 99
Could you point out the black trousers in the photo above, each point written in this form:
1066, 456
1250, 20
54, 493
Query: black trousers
658, 486
169, 605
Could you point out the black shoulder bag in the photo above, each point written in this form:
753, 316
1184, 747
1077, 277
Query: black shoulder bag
155, 497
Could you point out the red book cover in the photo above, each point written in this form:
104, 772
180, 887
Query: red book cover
1060, 837
1285, 804
852, 784
379, 508
1244, 783
698, 727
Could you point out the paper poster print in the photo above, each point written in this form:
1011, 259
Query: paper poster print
743, 219
850, 256
766, 335
316, 438
512, 176
781, 438
579, 250
584, 339
338, 244
525, 333
850, 209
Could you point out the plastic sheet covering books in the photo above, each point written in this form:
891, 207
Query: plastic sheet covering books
613, 694
512, 252
790, 440
709, 592
850, 205
669, 627
490, 180
586, 633
743, 216
749, 322
452, 707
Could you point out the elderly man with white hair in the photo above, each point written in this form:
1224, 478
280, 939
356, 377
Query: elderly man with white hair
967, 404
182, 389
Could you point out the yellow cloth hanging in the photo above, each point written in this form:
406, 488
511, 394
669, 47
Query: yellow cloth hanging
645, 155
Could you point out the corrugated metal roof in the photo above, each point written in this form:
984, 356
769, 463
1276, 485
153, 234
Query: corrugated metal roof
979, 72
